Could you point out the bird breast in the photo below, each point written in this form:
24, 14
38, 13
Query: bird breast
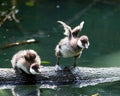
69, 51
66, 50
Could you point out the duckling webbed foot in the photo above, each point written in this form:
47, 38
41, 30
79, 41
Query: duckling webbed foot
75, 70
58, 68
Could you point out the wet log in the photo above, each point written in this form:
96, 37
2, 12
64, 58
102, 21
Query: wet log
83, 75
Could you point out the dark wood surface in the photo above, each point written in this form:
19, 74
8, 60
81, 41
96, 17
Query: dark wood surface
48, 75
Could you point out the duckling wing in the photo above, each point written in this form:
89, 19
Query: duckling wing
66, 28
77, 29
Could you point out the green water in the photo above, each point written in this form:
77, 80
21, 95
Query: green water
40, 22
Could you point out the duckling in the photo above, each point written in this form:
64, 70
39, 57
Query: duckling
71, 45
26, 60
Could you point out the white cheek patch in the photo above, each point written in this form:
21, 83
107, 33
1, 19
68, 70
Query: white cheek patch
79, 43
32, 71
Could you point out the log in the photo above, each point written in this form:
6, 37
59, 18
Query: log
18, 43
80, 76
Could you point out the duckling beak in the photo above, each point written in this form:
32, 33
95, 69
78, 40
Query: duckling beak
86, 46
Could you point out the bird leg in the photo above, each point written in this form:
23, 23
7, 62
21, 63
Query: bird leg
75, 61
75, 70
58, 61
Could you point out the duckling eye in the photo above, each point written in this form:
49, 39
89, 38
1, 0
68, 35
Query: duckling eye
34, 67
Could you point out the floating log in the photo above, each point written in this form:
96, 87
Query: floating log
18, 43
81, 75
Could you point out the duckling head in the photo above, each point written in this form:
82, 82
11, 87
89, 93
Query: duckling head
83, 42
35, 68
30, 56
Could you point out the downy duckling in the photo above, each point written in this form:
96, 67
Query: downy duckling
27, 61
71, 45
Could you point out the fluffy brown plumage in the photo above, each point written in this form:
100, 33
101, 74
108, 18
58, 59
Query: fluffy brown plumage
27, 61
71, 45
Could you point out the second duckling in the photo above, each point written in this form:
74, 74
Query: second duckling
26, 60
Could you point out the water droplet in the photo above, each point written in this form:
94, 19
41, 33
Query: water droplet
57, 6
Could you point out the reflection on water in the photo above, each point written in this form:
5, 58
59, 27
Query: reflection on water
30, 90
67, 90
39, 22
